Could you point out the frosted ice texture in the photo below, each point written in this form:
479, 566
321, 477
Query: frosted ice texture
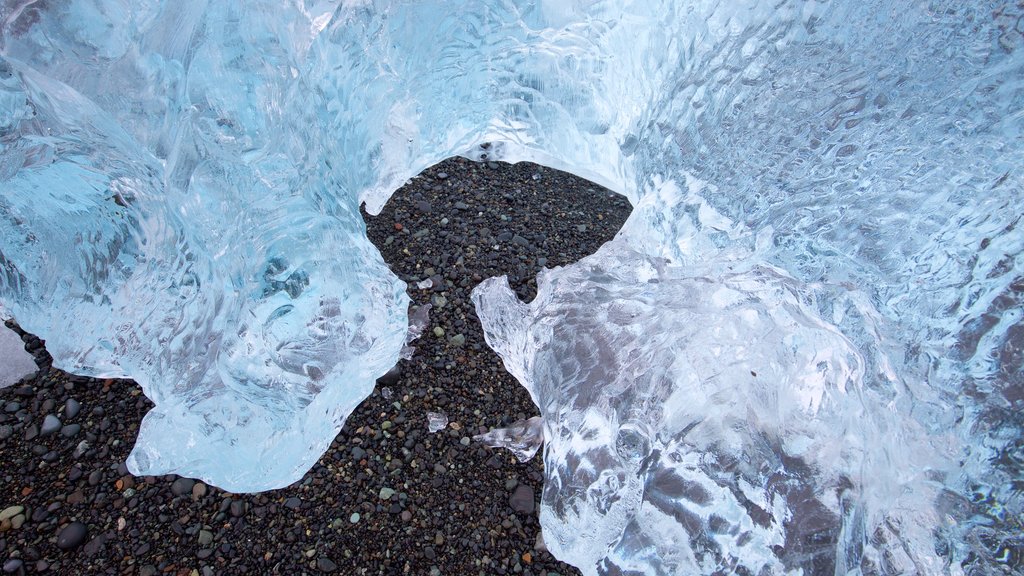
827, 196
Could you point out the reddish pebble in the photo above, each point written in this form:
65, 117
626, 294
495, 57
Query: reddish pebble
398, 226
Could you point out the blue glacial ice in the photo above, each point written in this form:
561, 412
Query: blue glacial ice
803, 353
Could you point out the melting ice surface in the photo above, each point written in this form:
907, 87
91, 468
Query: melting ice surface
803, 353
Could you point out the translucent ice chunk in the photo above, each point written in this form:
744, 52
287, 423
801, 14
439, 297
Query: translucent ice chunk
671, 394
436, 421
802, 353
522, 438
15, 362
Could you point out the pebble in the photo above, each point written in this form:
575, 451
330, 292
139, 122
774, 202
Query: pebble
182, 486
464, 441
198, 491
438, 331
390, 378
237, 508
386, 493
293, 503
13, 565
354, 518
325, 564
6, 431
205, 537
72, 408
70, 430
358, 453
11, 512
51, 425
72, 536
522, 499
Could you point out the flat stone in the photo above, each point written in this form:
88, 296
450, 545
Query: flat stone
386, 493
293, 503
70, 430
325, 564
13, 565
205, 537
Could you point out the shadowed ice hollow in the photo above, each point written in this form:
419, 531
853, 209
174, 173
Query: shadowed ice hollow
804, 352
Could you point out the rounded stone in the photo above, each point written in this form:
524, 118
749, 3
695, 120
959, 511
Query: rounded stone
72, 536
182, 486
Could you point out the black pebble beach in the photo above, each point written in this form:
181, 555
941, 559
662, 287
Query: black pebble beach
389, 497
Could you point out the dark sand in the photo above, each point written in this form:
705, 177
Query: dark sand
451, 511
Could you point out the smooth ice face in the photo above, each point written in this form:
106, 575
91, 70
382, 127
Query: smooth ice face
702, 419
826, 194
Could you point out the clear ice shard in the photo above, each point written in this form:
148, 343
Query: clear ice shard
436, 421
804, 352
522, 438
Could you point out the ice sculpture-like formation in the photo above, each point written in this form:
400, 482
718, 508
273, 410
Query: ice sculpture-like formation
803, 352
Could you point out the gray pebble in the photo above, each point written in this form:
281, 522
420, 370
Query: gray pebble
324, 564
72, 408
522, 499
6, 431
72, 536
13, 565
51, 425
70, 430
182, 486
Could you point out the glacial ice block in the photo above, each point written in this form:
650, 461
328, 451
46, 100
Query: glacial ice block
804, 351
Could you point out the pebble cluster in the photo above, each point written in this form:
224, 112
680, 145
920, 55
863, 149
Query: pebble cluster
390, 496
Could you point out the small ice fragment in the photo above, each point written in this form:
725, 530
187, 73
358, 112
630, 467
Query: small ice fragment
436, 421
523, 438
425, 284
407, 352
385, 392
418, 321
